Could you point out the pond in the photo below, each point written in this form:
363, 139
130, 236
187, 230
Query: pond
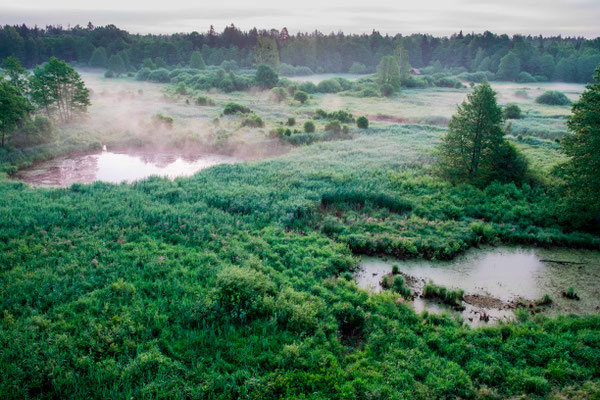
496, 280
117, 166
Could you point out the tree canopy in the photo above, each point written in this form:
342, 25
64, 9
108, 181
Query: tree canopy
14, 108
474, 150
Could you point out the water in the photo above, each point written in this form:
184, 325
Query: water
117, 166
499, 276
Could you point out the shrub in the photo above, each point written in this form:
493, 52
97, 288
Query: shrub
300, 96
243, 293
525, 77
163, 120
291, 121
570, 293
387, 90
309, 127
290, 70
333, 126
553, 98
450, 297
109, 74
278, 94
159, 75
512, 111
181, 88
320, 114
341, 115
329, 86
204, 101
234, 108
308, 87
265, 77
253, 120
143, 74
362, 122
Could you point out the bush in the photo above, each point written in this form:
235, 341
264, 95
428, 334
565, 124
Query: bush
321, 114
525, 77
362, 122
341, 115
553, 98
243, 293
278, 94
308, 87
329, 86
309, 127
300, 96
181, 88
357, 68
204, 101
109, 74
291, 121
333, 126
143, 74
163, 120
253, 120
159, 75
265, 77
450, 297
387, 90
290, 70
234, 108
512, 111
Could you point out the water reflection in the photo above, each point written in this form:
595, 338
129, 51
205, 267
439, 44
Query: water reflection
501, 275
116, 167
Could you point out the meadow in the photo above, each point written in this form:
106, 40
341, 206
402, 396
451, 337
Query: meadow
237, 282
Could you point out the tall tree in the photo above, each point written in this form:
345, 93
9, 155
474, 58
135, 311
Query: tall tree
14, 108
474, 149
388, 74
116, 65
196, 60
57, 88
266, 52
16, 73
403, 62
581, 172
509, 67
98, 58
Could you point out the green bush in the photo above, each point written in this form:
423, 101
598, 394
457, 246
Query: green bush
553, 98
329, 86
512, 111
450, 297
309, 127
163, 120
253, 120
265, 77
159, 75
308, 87
300, 96
362, 122
143, 74
234, 108
291, 121
278, 94
357, 68
333, 126
204, 101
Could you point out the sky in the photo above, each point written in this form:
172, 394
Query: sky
438, 17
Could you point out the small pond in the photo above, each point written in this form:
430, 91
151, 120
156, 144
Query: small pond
117, 166
494, 279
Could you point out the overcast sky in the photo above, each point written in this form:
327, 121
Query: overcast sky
438, 17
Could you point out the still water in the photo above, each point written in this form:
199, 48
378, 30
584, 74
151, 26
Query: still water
501, 276
117, 166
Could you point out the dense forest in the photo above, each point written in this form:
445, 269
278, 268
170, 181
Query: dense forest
510, 58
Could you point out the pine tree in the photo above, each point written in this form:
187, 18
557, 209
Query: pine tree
98, 58
196, 60
581, 172
474, 150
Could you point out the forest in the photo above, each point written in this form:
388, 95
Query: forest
241, 277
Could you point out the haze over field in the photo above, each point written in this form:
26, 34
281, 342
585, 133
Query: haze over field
438, 17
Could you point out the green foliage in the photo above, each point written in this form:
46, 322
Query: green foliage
448, 296
266, 53
333, 126
329, 86
509, 67
357, 68
143, 74
512, 111
204, 101
196, 60
474, 150
278, 94
309, 126
266, 77
99, 59
290, 70
57, 89
234, 108
300, 96
362, 122
291, 121
159, 75
14, 109
253, 120
553, 98
116, 65
163, 120
570, 293
308, 87
388, 75
581, 173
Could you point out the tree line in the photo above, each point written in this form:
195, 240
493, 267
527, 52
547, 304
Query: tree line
511, 58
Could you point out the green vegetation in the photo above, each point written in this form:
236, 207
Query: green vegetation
451, 297
204, 101
234, 108
300, 96
362, 122
309, 126
253, 120
570, 293
512, 111
474, 150
553, 98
